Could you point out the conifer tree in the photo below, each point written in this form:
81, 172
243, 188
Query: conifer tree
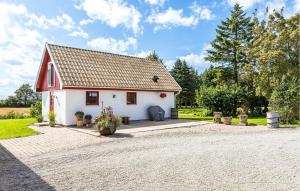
233, 39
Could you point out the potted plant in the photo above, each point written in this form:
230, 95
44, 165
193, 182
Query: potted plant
217, 117
227, 120
163, 95
88, 120
107, 122
39, 118
243, 117
79, 115
51, 116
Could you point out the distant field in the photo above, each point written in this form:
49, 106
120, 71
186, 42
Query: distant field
5, 110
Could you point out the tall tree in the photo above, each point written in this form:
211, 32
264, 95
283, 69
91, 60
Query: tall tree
153, 56
24, 93
234, 37
188, 79
276, 50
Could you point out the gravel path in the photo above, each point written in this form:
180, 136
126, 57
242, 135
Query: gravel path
175, 159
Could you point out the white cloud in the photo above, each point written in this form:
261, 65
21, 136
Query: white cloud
172, 17
61, 21
113, 13
22, 41
20, 46
244, 3
195, 60
142, 54
156, 2
79, 32
275, 5
297, 6
113, 45
86, 21
202, 12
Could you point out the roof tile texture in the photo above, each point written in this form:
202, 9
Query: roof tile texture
94, 69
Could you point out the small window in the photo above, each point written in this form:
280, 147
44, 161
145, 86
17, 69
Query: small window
50, 75
92, 98
131, 98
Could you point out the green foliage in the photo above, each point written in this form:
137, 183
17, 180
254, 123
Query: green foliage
188, 79
12, 128
221, 98
51, 116
235, 120
240, 111
233, 40
14, 115
195, 111
39, 118
36, 109
285, 99
24, 97
108, 120
276, 51
153, 56
216, 76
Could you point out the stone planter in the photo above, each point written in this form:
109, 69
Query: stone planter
218, 117
51, 123
273, 119
107, 131
79, 123
88, 122
243, 120
227, 120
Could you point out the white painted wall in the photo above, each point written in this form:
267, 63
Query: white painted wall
45, 105
71, 101
59, 105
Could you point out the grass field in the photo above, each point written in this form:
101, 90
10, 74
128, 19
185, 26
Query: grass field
235, 120
11, 128
5, 110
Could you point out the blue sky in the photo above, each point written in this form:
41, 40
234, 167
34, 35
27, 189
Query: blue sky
173, 28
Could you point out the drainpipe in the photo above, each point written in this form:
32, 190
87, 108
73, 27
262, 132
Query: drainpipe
176, 94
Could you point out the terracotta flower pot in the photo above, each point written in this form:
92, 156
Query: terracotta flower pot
51, 123
107, 131
88, 122
79, 123
218, 117
243, 119
227, 120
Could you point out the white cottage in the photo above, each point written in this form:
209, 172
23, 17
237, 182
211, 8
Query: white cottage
73, 79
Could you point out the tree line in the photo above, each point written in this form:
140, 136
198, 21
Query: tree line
255, 67
24, 96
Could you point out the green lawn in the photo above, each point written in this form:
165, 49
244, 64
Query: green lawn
235, 120
11, 128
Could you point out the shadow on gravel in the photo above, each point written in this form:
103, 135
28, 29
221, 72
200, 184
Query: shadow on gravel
15, 175
121, 135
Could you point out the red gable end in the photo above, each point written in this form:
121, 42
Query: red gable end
42, 80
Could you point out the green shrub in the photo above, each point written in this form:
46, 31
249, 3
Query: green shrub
51, 116
36, 109
39, 118
285, 99
195, 111
221, 98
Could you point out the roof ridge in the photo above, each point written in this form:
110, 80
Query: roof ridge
98, 51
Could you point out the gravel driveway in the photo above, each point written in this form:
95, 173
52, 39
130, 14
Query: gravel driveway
175, 159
